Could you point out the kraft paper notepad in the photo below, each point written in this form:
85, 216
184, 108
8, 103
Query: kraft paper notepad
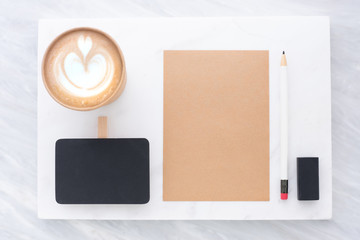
216, 126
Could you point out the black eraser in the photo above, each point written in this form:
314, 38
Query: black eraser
308, 178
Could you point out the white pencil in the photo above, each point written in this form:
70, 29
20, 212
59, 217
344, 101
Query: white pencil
283, 128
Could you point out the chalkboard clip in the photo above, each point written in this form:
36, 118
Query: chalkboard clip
102, 127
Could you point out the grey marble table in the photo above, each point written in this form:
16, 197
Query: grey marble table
18, 65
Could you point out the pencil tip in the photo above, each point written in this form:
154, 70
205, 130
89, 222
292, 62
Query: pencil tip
283, 52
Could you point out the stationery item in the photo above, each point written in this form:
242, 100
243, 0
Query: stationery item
102, 171
283, 128
216, 126
84, 69
308, 178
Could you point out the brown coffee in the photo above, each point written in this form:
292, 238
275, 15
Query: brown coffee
84, 69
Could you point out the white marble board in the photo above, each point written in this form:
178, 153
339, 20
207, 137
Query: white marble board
138, 112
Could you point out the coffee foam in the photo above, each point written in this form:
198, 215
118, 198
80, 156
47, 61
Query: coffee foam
82, 68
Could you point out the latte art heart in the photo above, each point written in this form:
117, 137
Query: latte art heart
88, 74
84, 69
85, 76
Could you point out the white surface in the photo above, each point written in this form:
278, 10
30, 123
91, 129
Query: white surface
18, 122
138, 112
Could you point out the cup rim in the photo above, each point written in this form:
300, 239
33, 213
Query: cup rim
121, 80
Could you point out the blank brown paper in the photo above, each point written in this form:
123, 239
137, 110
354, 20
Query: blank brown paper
216, 126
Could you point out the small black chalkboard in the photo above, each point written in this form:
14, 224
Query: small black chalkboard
102, 171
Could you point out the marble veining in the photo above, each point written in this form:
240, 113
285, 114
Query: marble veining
18, 123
